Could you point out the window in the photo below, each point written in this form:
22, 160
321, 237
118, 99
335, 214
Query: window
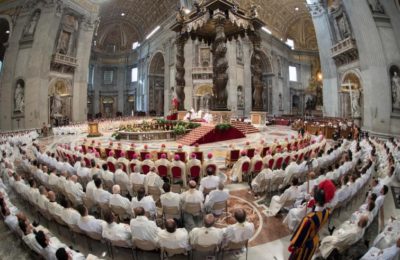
292, 73
134, 75
135, 45
108, 76
290, 43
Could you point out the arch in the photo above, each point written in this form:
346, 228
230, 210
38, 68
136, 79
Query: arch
60, 86
266, 72
351, 97
156, 76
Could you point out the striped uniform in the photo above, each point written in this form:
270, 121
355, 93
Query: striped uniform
305, 240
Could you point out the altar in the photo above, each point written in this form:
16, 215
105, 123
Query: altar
146, 136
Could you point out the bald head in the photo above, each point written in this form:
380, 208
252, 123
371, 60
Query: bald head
51, 196
311, 175
209, 220
74, 178
170, 225
116, 189
139, 211
192, 184
221, 186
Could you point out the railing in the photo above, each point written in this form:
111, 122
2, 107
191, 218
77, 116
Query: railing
344, 46
65, 60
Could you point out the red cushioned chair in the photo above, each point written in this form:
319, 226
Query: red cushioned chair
245, 169
111, 167
145, 168
176, 174
233, 157
159, 154
258, 167
130, 154
162, 171
117, 153
213, 167
87, 162
84, 149
199, 156
287, 160
194, 172
143, 155
278, 163
108, 150
264, 151
132, 167
250, 152
271, 163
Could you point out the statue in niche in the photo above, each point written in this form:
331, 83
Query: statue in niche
396, 89
19, 98
355, 103
280, 102
239, 51
376, 6
56, 105
31, 26
254, 11
63, 43
343, 26
240, 97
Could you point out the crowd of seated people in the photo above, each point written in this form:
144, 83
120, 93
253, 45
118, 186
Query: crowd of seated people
48, 189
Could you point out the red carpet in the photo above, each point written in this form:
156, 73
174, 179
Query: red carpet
208, 134
245, 128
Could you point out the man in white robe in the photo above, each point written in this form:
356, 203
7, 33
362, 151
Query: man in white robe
191, 196
169, 198
390, 253
178, 163
208, 234
142, 228
89, 223
343, 238
208, 161
215, 196
193, 161
210, 182
116, 200
264, 176
237, 173
152, 179
241, 231
163, 161
122, 179
277, 202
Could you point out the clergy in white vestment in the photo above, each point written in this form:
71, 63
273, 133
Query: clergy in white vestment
123, 160
343, 238
237, 167
100, 196
142, 228
116, 233
74, 190
106, 175
295, 215
210, 182
390, 253
178, 163
172, 237
70, 215
264, 175
164, 162
53, 207
116, 200
135, 161
111, 158
152, 179
215, 196
241, 231
136, 177
191, 196
193, 161
122, 179
207, 235
89, 223
83, 172
289, 195
291, 171
256, 158
146, 202
169, 198
147, 161
208, 161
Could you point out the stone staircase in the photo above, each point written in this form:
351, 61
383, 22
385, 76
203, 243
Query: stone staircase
195, 135
245, 128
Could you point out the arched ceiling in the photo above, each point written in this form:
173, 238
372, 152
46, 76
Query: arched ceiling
285, 18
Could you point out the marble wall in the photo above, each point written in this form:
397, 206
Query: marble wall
31, 56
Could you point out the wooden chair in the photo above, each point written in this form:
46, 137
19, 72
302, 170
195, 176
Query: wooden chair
154, 192
211, 249
192, 208
142, 245
221, 205
233, 246
233, 157
169, 252
171, 212
120, 212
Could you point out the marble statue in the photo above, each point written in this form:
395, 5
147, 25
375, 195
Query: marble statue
240, 98
376, 6
343, 26
396, 89
19, 98
254, 11
355, 103
63, 43
280, 102
31, 26
56, 105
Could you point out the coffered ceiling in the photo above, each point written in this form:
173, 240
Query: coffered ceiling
134, 19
